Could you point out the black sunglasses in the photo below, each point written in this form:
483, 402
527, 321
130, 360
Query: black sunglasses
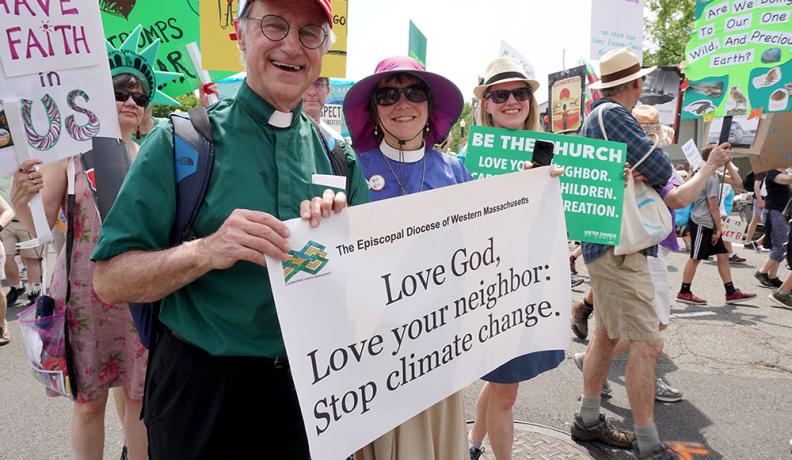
388, 95
500, 96
122, 95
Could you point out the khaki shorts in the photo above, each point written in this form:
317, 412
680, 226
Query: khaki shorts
624, 297
15, 233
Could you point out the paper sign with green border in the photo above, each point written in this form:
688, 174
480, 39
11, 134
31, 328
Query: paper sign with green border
175, 23
592, 186
739, 59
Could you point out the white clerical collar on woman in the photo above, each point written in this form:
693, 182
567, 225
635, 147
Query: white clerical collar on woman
405, 156
281, 119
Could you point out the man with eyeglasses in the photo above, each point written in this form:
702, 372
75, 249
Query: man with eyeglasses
314, 100
218, 383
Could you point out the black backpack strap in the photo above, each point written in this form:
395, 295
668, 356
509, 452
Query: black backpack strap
337, 157
194, 154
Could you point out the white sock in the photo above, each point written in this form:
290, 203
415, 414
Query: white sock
36, 287
18, 285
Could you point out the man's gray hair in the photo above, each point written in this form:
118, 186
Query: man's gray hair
330, 36
614, 90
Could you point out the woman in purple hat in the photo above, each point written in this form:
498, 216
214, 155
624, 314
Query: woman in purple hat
507, 101
394, 117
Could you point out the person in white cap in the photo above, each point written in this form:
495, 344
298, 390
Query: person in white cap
622, 285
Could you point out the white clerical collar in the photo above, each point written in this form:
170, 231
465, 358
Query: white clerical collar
281, 119
405, 156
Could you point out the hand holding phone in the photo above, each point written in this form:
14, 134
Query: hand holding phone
542, 153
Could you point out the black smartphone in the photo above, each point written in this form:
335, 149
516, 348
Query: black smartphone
542, 153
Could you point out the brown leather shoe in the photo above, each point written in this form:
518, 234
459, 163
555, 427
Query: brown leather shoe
602, 431
580, 316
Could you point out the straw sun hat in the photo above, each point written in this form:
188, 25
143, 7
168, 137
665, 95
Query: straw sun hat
619, 66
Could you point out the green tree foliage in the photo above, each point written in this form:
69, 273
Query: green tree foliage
187, 102
668, 28
455, 135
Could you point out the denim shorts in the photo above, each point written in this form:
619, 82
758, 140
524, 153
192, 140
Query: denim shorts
779, 231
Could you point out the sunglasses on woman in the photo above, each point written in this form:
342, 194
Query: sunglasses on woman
140, 99
499, 96
388, 95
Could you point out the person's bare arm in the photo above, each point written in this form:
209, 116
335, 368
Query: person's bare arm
146, 276
50, 181
6, 213
733, 175
783, 179
685, 194
758, 194
714, 210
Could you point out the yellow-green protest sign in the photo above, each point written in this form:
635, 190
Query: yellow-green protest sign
738, 59
592, 187
174, 23
219, 50
334, 63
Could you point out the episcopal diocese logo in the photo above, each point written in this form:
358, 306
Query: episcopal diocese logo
311, 259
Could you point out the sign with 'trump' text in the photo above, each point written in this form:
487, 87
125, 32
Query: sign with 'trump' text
592, 186
389, 307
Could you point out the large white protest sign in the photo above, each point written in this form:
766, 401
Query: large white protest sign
54, 62
616, 24
389, 307
510, 51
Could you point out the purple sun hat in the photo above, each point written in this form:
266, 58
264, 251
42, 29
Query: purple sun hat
445, 103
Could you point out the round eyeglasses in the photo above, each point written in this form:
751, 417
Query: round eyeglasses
276, 29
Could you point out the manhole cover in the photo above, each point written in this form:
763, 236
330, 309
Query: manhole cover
532, 441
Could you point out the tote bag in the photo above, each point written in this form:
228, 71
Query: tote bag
645, 217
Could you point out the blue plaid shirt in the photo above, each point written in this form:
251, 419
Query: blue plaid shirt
621, 126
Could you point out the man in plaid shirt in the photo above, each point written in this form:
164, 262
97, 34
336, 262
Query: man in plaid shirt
623, 288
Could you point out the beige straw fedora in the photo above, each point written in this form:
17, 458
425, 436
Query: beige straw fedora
503, 70
619, 66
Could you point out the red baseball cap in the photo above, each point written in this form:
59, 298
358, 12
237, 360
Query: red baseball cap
325, 5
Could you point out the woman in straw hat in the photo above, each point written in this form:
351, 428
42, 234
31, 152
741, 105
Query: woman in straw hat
507, 101
394, 117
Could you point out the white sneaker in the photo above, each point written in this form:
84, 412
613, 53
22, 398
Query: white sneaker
664, 393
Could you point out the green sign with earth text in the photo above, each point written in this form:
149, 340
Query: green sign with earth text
739, 59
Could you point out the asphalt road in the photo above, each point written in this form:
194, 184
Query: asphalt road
734, 365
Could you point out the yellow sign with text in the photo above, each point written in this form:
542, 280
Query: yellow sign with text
219, 50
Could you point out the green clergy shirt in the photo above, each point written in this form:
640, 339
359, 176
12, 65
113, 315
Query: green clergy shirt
258, 167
